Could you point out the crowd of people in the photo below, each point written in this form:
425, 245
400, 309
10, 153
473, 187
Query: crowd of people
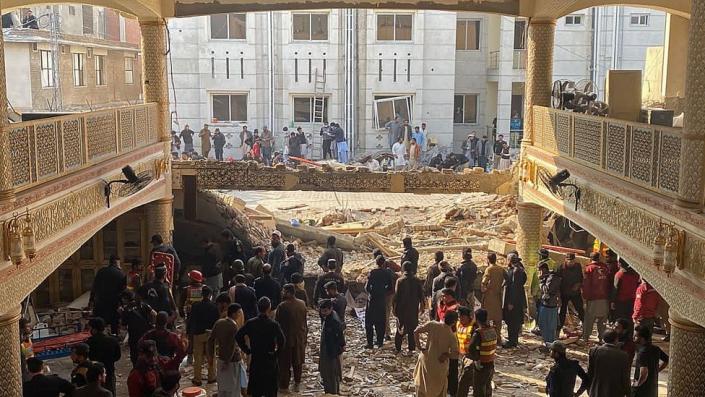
245, 319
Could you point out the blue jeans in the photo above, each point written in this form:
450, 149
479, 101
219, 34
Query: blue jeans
548, 321
342, 152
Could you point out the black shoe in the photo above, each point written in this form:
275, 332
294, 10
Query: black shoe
368, 346
509, 345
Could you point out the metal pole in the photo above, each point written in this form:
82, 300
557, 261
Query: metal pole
270, 49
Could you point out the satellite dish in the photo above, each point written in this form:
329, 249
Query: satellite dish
132, 183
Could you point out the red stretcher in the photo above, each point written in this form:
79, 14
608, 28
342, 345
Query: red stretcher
58, 346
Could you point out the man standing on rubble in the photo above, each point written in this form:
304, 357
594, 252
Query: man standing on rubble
291, 316
331, 348
379, 284
410, 254
431, 273
431, 372
596, 291
331, 252
571, 273
407, 305
492, 282
319, 291
267, 286
514, 299
467, 273
277, 255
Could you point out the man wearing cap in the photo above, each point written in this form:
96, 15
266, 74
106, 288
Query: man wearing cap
319, 291
596, 291
158, 245
331, 252
514, 299
560, 381
571, 273
276, 255
291, 316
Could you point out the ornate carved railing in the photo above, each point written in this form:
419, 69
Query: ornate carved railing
44, 149
643, 154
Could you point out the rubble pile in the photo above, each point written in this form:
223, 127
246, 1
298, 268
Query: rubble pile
470, 220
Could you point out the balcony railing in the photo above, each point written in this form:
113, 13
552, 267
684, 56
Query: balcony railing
45, 149
519, 60
643, 154
493, 60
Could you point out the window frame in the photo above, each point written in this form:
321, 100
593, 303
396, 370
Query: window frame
310, 27
212, 96
227, 27
394, 30
46, 74
581, 18
99, 71
78, 67
326, 103
409, 98
639, 16
478, 23
477, 108
131, 70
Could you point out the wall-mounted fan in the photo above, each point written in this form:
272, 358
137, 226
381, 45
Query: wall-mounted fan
580, 97
132, 183
557, 186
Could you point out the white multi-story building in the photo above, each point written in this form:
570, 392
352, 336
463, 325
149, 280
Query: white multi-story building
457, 72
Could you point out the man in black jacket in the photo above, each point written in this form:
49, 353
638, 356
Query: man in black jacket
267, 286
210, 265
319, 290
410, 254
514, 299
332, 346
560, 381
109, 283
245, 296
467, 273
379, 285
550, 285
105, 349
200, 322
571, 273
41, 385
265, 340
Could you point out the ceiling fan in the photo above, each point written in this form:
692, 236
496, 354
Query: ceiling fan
132, 183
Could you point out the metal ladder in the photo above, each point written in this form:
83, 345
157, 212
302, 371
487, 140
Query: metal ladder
319, 104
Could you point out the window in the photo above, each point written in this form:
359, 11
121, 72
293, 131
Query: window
72, 10
78, 66
99, 69
229, 107
386, 108
129, 70
639, 19
310, 26
229, 26
394, 27
303, 109
465, 109
520, 34
87, 12
46, 64
573, 20
467, 35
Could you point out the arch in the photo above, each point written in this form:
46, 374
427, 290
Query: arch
554, 9
17, 283
138, 8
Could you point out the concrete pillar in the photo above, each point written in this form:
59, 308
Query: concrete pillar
690, 182
528, 237
160, 218
155, 84
7, 192
674, 57
10, 371
539, 71
687, 357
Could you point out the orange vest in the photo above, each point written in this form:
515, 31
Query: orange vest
488, 344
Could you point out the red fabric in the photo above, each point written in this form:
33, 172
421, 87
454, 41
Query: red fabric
256, 152
627, 283
596, 284
445, 307
145, 378
646, 302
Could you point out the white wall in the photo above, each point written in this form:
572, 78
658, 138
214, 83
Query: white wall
19, 90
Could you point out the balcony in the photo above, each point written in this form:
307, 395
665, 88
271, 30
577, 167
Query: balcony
493, 60
43, 150
643, 154
519, 59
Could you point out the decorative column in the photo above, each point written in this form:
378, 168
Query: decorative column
10, 371
528, 237
160, 218
687, 357
539, 72
155, 84
690, 181
7, 192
